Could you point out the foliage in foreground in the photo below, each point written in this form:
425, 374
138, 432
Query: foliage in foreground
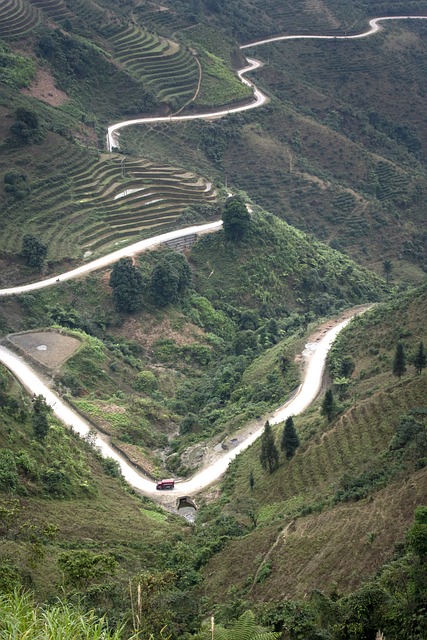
21, 618
245, 628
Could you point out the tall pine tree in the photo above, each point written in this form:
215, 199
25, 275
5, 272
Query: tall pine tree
399, 362
269, 457
420, 359
328, 405
290, 441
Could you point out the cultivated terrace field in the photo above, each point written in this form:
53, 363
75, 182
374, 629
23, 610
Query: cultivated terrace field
318, 531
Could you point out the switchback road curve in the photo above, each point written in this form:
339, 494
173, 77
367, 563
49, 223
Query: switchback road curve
259, 98
112, 141
315, 359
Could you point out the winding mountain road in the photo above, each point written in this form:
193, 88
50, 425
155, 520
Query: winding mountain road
113, 141
110, 258
260, 98
314, 355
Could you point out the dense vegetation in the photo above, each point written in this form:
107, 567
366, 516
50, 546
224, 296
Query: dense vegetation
230, 326
177, 351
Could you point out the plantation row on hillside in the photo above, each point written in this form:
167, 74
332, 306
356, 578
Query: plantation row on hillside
356, 476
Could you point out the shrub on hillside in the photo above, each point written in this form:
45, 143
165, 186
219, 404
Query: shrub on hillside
34, 251
16, 184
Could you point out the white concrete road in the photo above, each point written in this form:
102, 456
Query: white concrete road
105, 261
112, 140
314, 357
258, 101
259, 98
373, 24
315, 354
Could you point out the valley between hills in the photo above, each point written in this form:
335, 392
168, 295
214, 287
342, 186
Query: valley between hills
163, 286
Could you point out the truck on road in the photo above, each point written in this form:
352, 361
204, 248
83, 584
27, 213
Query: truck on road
169, 483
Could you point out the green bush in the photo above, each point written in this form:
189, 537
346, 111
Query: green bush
145, 381
9, 479
16, 184
112, 467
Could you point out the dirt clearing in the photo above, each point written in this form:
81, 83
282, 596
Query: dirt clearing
47, 347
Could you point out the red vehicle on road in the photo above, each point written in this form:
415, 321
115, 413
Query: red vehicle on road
166, 484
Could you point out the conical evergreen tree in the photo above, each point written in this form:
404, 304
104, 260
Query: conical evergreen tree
290, 441
328, 405
269, 457
399, 362
420, 360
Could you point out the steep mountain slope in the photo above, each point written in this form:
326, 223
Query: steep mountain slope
330, 516
250, 298
206, 343
366, 198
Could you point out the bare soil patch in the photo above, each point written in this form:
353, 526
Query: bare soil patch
47, 347
43, 88
153, 329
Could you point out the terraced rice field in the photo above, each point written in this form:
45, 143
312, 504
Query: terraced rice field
17, 17
87, 14
55, 9
95, 205
167, 68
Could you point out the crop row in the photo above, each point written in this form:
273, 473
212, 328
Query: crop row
55, 9
17, 17
168, 69
92, 203
360, 435
297, 19
390, 181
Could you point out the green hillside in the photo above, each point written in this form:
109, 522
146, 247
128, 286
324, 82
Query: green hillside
352, 479
316, 533
213, 355
60, 502
366, 198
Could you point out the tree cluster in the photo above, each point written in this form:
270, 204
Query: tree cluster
235, 220
170, 278
400, 360
34, 251
16, 184
26, 128
269, 456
